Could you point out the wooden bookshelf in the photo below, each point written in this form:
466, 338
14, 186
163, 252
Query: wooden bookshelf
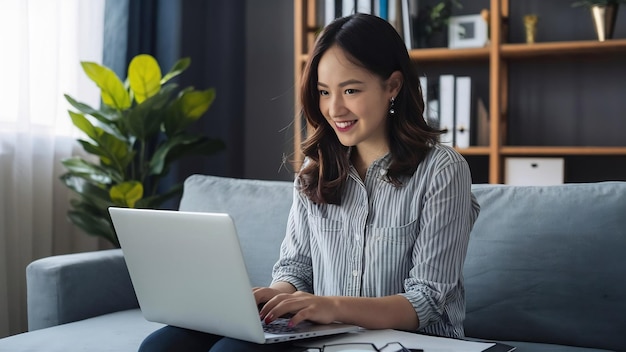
497, 55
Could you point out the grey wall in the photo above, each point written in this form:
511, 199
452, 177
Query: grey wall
269, 93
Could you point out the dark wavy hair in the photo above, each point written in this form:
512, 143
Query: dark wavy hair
373, 44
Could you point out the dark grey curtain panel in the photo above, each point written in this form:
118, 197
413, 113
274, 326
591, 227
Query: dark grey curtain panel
212, 34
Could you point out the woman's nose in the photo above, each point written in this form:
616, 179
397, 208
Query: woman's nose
337, 106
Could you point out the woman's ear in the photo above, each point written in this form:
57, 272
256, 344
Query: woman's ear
394, 82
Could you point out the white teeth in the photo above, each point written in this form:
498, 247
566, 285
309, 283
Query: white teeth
344, 124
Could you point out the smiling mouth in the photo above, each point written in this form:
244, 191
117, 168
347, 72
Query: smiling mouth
344, 124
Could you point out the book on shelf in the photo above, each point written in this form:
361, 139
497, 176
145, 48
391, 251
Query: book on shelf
407, 25
365, 6
339, 8
433, 113
446, 108
482, 123
462, 111
430, 95
329, 10
451, 104
381, 9
401, 14
424, 90
348, 7
409, 18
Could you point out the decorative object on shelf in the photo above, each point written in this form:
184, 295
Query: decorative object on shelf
135, 136
484, 13
432, 22
604, 14
468, 31
530, 24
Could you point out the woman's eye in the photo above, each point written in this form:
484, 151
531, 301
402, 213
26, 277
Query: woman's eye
323, 92
351, 91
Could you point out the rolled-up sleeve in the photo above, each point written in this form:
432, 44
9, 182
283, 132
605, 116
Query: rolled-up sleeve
448, 214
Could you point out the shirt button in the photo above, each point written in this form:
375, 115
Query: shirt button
382, 172
355, 273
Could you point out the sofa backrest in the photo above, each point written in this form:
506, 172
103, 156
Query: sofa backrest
548, 264
544, 264
259, 209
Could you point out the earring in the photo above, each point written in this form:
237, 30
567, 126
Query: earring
392, 109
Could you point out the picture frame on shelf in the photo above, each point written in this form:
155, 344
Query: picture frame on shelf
469, 31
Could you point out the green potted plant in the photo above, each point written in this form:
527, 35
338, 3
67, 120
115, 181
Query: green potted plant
432, 22
604, 15
140, 129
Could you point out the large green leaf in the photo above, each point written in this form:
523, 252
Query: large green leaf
111, 88
178, 68
196, 103
103, 116
88, 192
157, 200
145, 119
84, 125
78, 203
144, 77
93, 225
181, 145
126, 194
117, 152
188, 107
89, 171
174, 120
111, 150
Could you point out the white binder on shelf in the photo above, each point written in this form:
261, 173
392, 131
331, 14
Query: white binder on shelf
433, 113
407, 25
329, 11
446, 108
424, 87
364, 6
394, 13
463, 111
348, 7
482, 123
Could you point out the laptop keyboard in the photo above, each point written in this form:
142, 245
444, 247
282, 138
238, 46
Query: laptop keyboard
280, 326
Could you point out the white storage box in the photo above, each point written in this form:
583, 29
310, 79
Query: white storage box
533, 171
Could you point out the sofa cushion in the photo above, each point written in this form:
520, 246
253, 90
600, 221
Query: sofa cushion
259, 209
120, 331
546, 264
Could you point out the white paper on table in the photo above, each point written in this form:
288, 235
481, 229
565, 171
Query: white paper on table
407, 339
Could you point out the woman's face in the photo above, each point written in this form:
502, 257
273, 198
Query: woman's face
354, 101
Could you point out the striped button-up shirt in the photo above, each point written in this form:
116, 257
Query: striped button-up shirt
384, 240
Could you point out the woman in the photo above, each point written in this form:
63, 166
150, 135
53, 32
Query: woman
378, 230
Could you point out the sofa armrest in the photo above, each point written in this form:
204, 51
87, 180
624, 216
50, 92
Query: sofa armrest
67, 288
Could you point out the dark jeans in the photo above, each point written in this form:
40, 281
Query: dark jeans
173, 339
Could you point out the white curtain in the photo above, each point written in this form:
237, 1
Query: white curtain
41, 45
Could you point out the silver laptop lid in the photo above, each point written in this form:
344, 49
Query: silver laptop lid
188, 271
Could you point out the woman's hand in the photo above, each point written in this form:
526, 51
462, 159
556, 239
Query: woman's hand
264, 294
302, 306
389, 312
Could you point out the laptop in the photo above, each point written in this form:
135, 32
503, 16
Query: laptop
188, 271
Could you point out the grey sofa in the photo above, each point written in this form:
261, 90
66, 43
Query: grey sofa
545, 270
